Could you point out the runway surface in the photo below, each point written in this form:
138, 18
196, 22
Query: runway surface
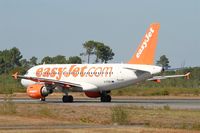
172, 103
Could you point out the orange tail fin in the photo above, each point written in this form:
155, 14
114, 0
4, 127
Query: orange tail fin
146, 50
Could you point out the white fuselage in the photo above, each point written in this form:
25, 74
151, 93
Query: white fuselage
102, 76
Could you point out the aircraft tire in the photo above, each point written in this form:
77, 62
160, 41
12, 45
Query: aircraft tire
106, 98
43, 99
67, 99
71, 99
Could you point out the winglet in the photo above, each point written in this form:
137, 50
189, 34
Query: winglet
15, 75
146, 50
187, 75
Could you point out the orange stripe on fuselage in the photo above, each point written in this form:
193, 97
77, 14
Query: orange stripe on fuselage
73, 71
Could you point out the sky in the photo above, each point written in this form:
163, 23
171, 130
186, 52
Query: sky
59, 27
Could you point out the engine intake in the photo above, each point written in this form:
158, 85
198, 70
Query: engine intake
38, 91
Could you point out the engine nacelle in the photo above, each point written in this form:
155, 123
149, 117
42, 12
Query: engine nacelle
37, 91
92, 94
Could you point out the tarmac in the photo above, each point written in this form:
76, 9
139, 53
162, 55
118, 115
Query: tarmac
151, 103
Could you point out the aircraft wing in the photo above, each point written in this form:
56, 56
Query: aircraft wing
158, 78
84, 85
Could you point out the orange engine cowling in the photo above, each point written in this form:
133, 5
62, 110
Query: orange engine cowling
93, 94
37, 91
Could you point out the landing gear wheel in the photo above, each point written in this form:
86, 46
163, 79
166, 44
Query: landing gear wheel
43, 99
71, 99
106, 98
67, 99
109, 98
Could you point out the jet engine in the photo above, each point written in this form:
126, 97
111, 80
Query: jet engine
38, 91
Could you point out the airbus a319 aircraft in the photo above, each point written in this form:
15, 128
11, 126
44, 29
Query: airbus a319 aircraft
95, 80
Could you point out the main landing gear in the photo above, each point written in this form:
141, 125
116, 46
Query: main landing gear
67, 99
105, 97
43, 99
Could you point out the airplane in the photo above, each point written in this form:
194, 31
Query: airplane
96, 80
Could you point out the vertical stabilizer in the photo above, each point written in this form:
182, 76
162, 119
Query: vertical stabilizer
146, 50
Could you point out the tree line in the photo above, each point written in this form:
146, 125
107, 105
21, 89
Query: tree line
102, 52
